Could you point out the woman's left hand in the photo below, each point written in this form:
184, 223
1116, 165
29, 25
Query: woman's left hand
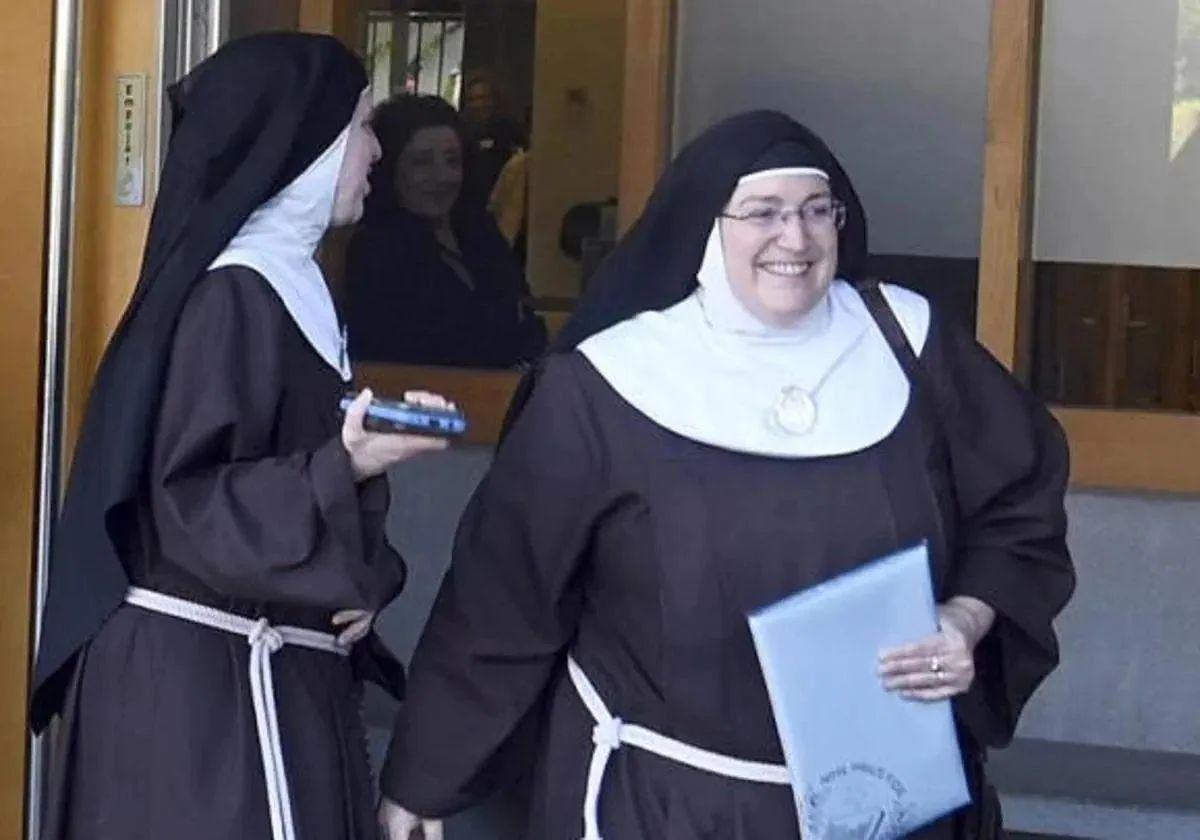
356, 624
942, 665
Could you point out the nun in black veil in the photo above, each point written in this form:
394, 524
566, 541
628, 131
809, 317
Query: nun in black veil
734, 414
221, 549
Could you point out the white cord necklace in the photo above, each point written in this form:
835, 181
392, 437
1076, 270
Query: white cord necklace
794, 410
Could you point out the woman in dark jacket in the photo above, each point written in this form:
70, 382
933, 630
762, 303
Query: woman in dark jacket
430, 278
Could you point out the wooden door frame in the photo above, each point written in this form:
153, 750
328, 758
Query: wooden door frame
648, 102
25, 87
1003, 323
1113, 449
645, 144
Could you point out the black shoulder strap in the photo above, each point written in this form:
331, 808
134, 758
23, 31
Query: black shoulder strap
885, 318
889, 325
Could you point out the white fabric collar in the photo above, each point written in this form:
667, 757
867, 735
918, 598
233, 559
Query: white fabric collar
719, 388
721, 307
279, 241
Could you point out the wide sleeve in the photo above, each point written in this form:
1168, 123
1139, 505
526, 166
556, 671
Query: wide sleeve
231, 504
508, 606
1009, 464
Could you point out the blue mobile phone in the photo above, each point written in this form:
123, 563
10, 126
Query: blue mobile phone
407, 418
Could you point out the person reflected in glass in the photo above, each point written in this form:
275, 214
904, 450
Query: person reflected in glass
492, 136
430, 279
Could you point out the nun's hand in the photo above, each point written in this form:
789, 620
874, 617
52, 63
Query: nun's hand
942, 665
396, 823
356, 625
371, 453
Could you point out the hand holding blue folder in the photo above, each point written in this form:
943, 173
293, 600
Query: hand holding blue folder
865, 763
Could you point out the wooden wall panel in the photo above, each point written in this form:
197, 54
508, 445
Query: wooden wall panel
25, 86
1133, 450
335, 17
578, 126
483, 395
117, 37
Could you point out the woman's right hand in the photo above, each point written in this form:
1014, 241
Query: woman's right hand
397, 823
371, 453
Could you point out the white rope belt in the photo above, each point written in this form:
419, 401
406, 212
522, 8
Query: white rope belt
611, 732
264, 641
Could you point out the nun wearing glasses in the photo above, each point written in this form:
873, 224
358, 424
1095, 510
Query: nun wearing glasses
734, 414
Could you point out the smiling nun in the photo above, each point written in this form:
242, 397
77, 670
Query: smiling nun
734, 414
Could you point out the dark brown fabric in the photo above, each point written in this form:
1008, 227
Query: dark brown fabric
641, 552
250, 507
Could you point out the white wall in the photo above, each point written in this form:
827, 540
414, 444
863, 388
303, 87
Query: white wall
898, 88
1108, 190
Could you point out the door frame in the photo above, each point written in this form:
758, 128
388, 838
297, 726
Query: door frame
59, 347
1110, 448
35, 83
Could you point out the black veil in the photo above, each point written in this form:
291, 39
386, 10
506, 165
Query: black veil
654, 265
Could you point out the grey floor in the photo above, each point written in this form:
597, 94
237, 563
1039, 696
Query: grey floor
1050, 791
1113, 776
1085, 790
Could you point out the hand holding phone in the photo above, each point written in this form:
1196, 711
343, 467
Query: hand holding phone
419, 413
372, 452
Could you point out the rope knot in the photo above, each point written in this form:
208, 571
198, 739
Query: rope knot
607, 733
266, 635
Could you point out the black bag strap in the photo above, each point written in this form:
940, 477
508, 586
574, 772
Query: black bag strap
985, 816
885, 318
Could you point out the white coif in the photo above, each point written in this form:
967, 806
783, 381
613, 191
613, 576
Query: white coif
830, 386
611, 732
264, 641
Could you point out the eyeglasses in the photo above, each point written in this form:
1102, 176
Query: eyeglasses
822, 215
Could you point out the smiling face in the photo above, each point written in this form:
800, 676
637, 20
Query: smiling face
429, 172
362, 151
781, 251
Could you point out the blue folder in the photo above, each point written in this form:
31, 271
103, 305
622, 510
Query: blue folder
865, 764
